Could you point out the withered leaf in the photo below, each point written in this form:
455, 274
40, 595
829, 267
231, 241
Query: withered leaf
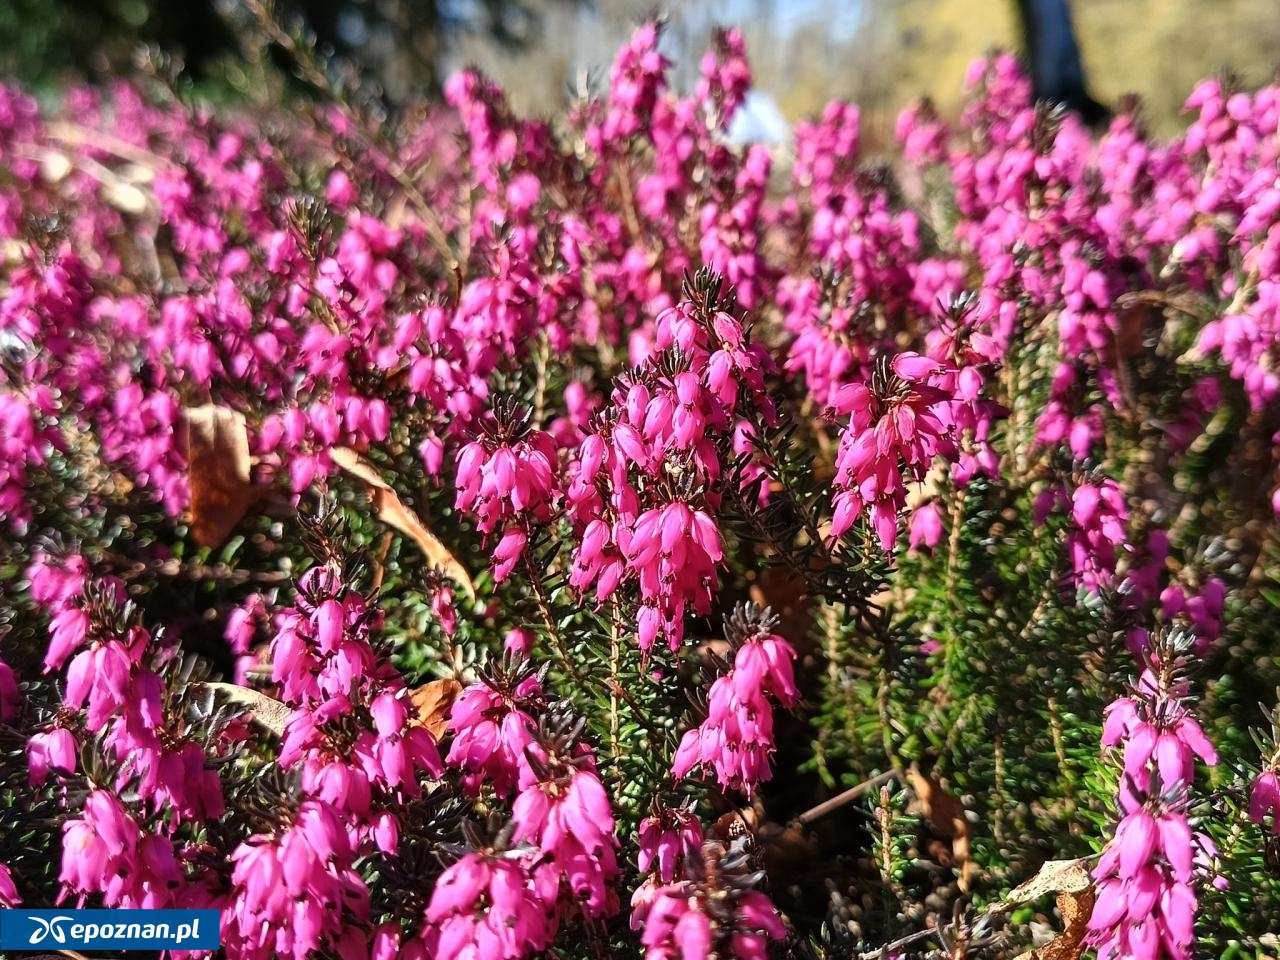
1070, 880
946, 814
432, 701
1054, 876
218, 469
1076, 908
786, 848
787, 595
392, 511
269, 713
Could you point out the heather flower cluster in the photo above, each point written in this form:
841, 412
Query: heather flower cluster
555, 859
711, 910
371, 489
1146, 897
898, 424
510, 476
651, 474
736, 740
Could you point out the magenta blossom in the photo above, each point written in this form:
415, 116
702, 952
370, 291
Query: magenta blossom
736, 739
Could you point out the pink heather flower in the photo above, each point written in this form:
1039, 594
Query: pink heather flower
100, 848
291, 893
509, 474
51, 750
668, 841
508, 552
926, 526
442, 605
674, 551
321, 650
566, 813
636, 80
1203, 609
1099, 514
104, 676
1146, 902
489, 908
519, 641
359, 747
9, 896
177, 779
1264, 800
969, 341
397, 751
1165, 743
736, 739
698, 381
340, 192
101, 853
922, 134
725, 74
491, 732
711, 913
9, 693
68, 628
674, 926
898, 421
241, 625
56, 582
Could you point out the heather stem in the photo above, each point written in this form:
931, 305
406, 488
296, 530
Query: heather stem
548, 621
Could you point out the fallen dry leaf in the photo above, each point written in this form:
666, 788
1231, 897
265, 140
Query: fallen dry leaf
269, 713
392, 511
218, 469
947, 815
787, 596
1070, 880
1076, 909
785, 848
432, 701
1054, 876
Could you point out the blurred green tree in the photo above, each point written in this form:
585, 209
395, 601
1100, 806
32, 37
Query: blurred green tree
399, 44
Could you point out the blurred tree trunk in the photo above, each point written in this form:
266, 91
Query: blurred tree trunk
1057, 73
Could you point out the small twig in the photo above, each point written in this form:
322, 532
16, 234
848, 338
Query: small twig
882, 702
838, 801
623, 176
899, 943
199, 571
74, 134
640, 716
615, 666
541, 358
544, 609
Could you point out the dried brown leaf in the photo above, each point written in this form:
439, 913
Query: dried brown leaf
787, 595
785, 848
432, 702
269, 713
218, 469
392, 511
946, 814
1054, 876
1076, 908
1070, 880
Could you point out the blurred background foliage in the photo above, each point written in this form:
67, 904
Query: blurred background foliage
883, 54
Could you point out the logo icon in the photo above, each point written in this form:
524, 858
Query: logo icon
48, 927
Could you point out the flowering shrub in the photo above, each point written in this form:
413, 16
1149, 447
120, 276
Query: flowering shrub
473, 536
